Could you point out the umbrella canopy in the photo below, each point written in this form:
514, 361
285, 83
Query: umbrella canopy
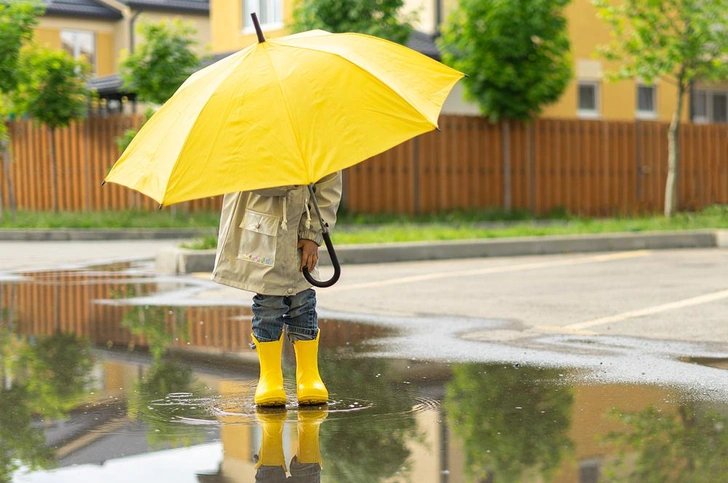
286, 111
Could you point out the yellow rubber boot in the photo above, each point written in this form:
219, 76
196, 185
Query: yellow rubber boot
269, 391
271, 443
310, 387
309, 422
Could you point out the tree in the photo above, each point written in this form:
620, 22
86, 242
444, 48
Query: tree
679, 41
59, 371
376, 449
657, 446
516, 56
511, 421
156, 400
381, 18
160, 65
157, 68
16, 28
53, 92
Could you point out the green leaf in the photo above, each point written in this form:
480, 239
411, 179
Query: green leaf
157, 68
516, 54
381, 18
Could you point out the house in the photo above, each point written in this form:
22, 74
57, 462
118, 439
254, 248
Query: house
98, 31
232, 27
590, 95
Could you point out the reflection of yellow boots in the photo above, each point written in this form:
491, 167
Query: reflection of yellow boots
311, 389
271, 444
269, 391
309, 422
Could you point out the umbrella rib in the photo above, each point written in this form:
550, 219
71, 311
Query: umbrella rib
233, 66
288, 113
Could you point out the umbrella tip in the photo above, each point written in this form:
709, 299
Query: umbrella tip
160, 206
103, 182
258, 30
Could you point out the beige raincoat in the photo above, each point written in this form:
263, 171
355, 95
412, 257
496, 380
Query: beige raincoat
259, 231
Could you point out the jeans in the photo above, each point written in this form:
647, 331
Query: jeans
297, 312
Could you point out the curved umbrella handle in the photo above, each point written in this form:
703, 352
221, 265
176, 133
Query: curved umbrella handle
334, 261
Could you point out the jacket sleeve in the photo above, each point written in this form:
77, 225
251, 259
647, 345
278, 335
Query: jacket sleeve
328, 195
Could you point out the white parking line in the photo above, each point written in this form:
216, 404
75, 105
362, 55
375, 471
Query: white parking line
701, 299
483, 271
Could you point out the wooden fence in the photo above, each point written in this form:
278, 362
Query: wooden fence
586, 167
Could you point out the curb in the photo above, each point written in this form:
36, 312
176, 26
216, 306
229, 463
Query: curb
178, 260
98, 235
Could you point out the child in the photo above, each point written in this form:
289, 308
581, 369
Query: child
266, 238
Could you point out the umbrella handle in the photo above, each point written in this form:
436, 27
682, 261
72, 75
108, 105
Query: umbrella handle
334, 261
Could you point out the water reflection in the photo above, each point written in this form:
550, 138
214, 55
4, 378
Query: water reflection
371, 445
96, 388
512, 422
688, 445
153, 401
43, 379
305, 466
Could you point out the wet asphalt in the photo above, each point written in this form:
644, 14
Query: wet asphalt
504, 369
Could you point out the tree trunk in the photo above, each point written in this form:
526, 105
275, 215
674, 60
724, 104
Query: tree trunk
4, 154
12, 204
54, 170
507, 193
673, 151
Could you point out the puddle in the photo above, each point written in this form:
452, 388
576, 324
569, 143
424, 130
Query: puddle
98, 391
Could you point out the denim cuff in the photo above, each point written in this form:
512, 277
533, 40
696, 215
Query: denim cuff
300, 333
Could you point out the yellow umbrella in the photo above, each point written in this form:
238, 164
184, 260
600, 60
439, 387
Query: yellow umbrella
281, 112
286, 111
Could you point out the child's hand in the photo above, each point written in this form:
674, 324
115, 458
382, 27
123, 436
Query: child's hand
309, 254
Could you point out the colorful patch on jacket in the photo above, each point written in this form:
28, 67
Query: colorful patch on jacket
250, 257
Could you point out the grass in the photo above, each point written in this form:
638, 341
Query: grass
206, 242
351, 229
112, 219
710, 218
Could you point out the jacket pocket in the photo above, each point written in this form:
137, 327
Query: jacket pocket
258, 239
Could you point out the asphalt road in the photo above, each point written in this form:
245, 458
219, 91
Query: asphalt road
673, 294
633, 316
662, 294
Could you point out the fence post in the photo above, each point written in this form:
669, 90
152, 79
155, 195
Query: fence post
507, 193
86, 166
638, 162
532, 164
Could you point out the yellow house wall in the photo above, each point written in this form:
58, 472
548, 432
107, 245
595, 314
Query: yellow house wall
226, 22
48, 33
112, 38
617, 99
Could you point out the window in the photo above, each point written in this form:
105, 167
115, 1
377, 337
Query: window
589, 471
588, 102
720, 107
646, 102
700, 107
269, 12
710, 106
81, 44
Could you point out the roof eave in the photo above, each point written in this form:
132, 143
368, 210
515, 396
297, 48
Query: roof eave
202, 9
71, 14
